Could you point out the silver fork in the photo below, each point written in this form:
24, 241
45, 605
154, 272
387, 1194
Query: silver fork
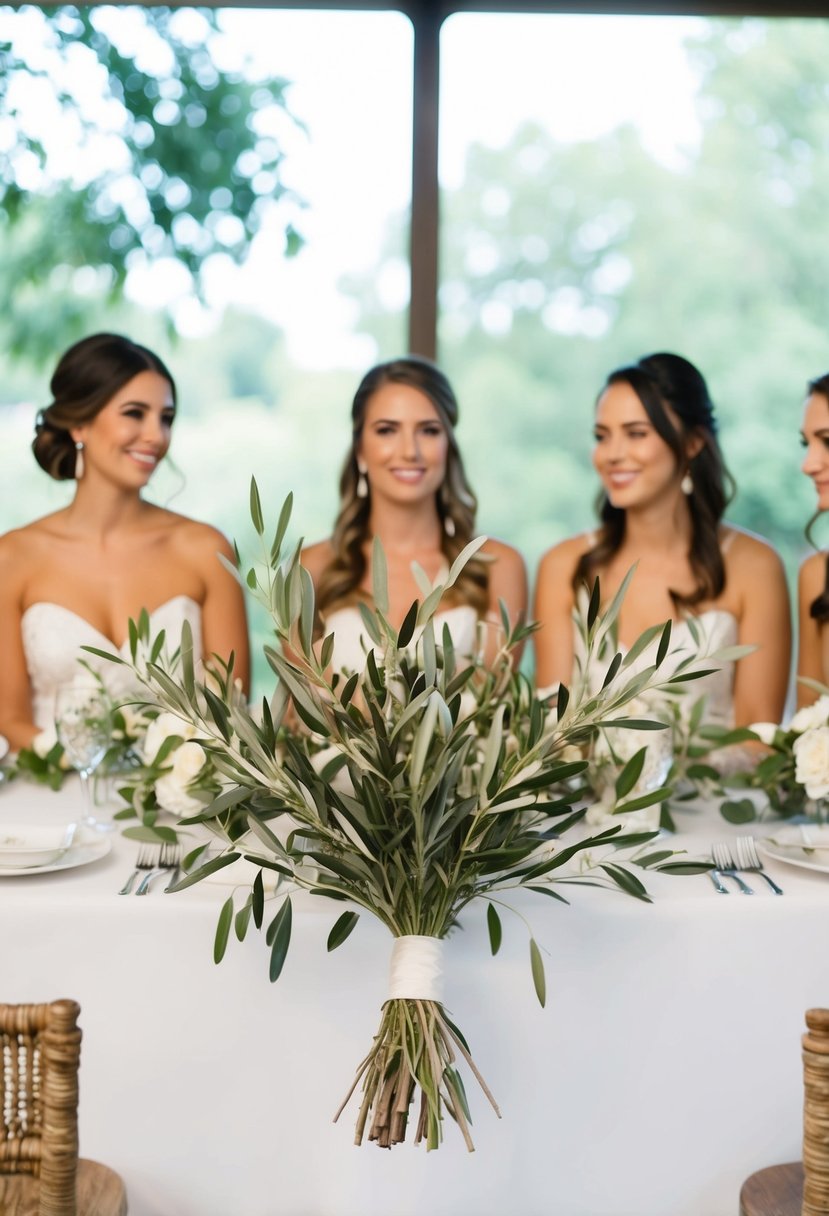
723, 860
168, 860
749, 859
148, 857
174, 854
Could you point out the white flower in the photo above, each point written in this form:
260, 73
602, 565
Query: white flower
767, 731
135, 721
162, 728
43, 743
172, 796
188, 761
811, 753
811, 716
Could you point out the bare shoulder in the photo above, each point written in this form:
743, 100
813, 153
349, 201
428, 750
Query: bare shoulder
561, 560
22, 548
747, 553
506, 556
193, 536
316, 558
812, 574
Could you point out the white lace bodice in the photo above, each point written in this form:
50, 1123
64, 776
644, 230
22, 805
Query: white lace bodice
52, 641
717, 629
351, 643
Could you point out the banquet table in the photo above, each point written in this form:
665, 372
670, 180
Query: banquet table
664, 1069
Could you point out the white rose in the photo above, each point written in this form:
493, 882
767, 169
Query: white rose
162, 728
811, 716
43, 743
188, 761
811, 753
767, 731
172, 796
135, 721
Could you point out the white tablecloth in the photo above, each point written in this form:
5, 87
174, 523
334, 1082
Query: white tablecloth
663, 1071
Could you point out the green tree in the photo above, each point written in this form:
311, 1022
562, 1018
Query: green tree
560, 261
171, 157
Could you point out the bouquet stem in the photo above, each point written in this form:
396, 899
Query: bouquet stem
415, 1048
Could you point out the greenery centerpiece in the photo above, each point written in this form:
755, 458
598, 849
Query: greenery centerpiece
411, 789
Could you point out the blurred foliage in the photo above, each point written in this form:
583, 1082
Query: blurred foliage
125, 142
560, 261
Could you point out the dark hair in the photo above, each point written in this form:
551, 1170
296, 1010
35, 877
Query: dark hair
662, 382
88, 375
455, 500
819, 607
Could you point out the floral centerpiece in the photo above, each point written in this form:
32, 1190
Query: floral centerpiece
45, 761
412, 789
688, 759
174, 777
794, 775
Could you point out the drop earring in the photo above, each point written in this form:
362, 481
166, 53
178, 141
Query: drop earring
449, 525
362, 482
78, 460
687, 484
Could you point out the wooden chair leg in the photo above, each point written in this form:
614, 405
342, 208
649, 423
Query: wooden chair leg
776, 1191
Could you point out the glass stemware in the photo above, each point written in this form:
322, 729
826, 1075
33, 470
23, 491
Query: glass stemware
83, 722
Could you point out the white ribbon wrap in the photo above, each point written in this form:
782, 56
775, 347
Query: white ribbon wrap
416, 970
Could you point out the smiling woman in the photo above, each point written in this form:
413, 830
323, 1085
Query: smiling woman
813, 580
76, 577
404, 483
664, 491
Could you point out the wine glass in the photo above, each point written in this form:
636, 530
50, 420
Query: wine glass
83, 722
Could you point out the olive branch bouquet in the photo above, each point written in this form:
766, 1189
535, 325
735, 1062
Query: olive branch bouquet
410, 789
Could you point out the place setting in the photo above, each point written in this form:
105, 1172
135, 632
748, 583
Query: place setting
805, 845
28, 848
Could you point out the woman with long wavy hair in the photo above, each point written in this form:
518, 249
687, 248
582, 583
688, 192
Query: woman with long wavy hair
813, 580
664, 491
403, 481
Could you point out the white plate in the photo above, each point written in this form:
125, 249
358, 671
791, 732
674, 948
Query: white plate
790, 845
28, 844
85, 850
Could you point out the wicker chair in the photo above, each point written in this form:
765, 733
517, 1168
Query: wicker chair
40, 1173
801, 1188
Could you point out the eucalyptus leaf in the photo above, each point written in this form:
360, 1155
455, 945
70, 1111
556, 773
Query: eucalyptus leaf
539, 979
256, 508
341, 930
493, 924
223, 930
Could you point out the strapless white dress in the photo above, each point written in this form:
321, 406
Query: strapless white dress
717, 629
52, 641
352, 643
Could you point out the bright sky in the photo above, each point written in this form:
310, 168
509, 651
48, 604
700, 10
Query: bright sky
578, 76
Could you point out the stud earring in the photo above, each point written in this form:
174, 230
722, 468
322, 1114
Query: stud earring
78, 460
362, 482
687, 484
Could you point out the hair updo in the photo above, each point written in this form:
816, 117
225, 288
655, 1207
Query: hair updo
87, 377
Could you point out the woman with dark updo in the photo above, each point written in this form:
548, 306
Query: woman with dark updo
664, 491
404, 482
76, 577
